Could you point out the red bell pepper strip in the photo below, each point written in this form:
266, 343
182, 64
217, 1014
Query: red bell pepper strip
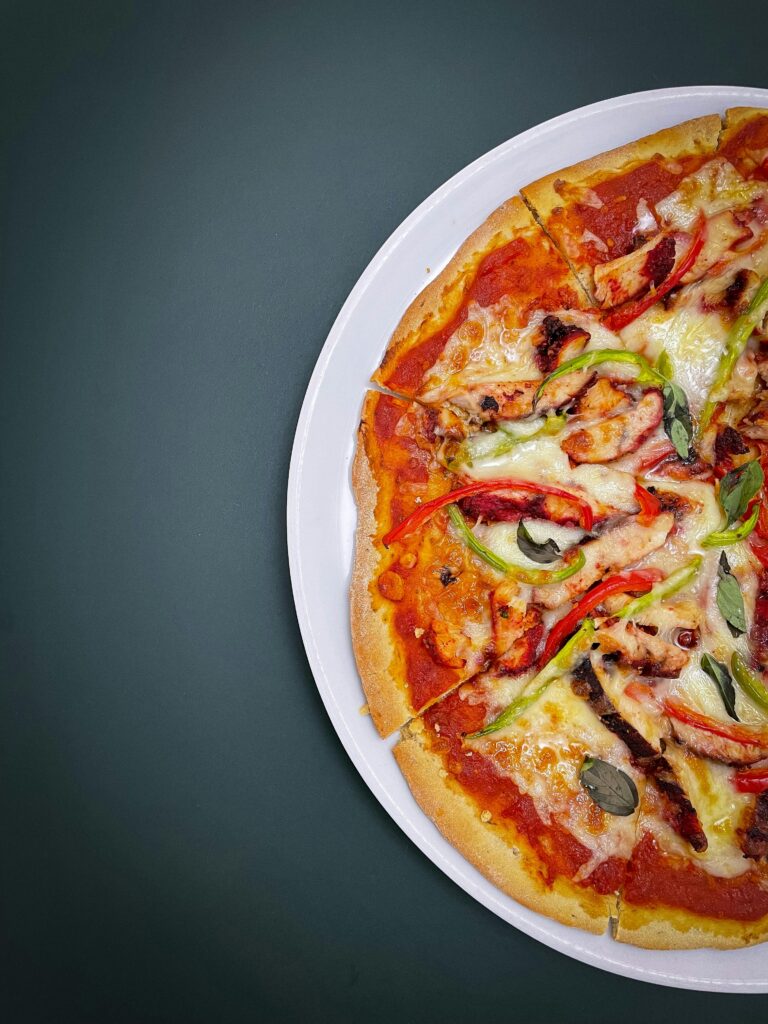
751, 780
426, 511
730, 731
619, 318
650, 506
639, 581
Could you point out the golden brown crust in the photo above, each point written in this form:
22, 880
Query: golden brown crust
512, 866
371, 638
663, 927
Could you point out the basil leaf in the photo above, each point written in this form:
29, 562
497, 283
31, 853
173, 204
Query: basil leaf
546, 552
610, 788
677, 419
721, 677
729, 598
738, 488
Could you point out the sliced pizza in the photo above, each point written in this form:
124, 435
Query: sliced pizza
560, 589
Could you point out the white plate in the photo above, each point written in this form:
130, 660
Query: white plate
321, 512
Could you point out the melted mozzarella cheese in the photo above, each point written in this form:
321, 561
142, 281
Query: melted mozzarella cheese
692, 339
541, 459
543, 752
715, 187
485, 349
721, 811
501, 538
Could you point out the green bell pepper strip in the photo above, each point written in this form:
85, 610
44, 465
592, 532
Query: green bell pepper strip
647, 374
536, 577
736, 342
749, 682
674, 582
722, 538
562, 661
552, 425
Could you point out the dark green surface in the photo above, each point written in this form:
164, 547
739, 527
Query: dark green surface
188, 193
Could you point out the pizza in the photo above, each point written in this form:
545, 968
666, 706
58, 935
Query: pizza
559, 598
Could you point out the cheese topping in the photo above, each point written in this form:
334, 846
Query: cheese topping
543, 753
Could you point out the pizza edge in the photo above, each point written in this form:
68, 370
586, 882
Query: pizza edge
371, 639
665, 927
511, 868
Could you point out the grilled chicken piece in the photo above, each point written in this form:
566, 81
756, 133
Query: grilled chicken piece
754, 841
620, 546
679, 809
617, 435
487, 403
600, 399
755, 425
718, 748
445, 644
647, 654
558, 342
626, 277
725, 234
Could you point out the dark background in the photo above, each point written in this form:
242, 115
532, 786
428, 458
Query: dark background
188, 192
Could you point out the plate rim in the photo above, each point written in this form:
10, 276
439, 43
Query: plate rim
539, 928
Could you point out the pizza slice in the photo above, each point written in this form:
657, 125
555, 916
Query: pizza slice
514, 802
604, 210
472, 319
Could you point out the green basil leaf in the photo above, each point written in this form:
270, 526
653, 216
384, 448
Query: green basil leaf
546, 552
738, 488
729, 598
677, 419
610, 788
721, 677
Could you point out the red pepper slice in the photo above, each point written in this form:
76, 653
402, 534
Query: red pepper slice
640, 581
424, 512
630, 311
738, 733
751, 780
650, 506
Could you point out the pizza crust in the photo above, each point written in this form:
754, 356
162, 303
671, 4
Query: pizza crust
512, 867
436, 304
663, 927
376, 661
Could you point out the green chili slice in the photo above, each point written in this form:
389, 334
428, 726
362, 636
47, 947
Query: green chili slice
562, 661
536, 577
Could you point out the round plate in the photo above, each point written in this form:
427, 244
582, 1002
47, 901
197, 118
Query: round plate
321, 511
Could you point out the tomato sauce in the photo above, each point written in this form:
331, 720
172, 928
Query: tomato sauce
749, 145
531, 272
560, 853
614, 221
654, 877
